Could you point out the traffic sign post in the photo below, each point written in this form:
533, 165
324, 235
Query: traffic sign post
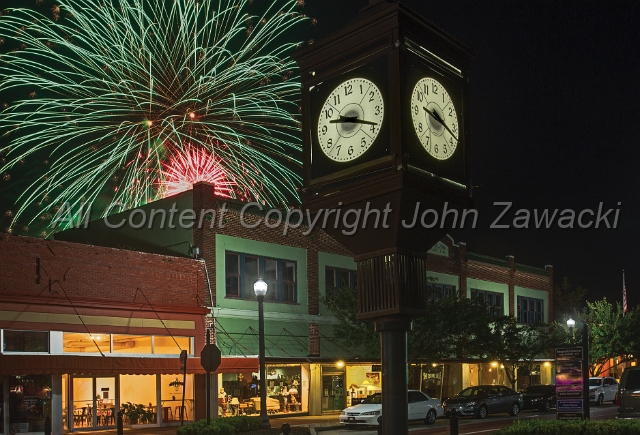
210, 359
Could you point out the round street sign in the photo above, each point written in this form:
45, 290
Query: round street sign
210, 357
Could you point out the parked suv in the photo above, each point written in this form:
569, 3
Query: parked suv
629, 393
602, 390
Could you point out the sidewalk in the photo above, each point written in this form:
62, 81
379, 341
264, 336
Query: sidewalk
313, 421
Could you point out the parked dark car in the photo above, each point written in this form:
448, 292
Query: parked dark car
483, 400
628, 397
542, 397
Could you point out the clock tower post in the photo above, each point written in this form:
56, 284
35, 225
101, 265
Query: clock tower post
384, 108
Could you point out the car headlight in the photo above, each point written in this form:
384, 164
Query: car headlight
342, 413
371, 413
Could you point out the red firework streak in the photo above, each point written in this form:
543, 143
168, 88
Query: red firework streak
191, 165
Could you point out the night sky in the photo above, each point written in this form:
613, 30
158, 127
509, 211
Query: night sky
554, 122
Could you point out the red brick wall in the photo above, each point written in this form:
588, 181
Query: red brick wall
457, 263
32, 267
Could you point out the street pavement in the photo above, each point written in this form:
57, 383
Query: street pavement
327, 422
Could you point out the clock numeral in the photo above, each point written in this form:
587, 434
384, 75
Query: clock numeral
420, 127
420, 96
428, 145
371, 95
415, 110
443, 100
451, 141
350, 150
348, 90
336, 99
360, 89
328, 113
377, 110
454, 128
444, 148
426, 89
338, 148
435, 148
363, 142
329, 143
434, 88
451, 111
372, 128
324, 129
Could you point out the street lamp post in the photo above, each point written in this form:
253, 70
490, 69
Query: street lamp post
260, 289
585, 370
571, 324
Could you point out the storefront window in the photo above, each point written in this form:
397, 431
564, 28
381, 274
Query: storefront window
166, 345
171, 398
65, 402
132, 344
138, 399
240, 392
86, 343
25, 341
29, 402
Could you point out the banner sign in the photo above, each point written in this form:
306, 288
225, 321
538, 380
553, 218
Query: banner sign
569, 383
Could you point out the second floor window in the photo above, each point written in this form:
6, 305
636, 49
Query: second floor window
493, 300
336, 278
438, 292
243, 270
530, 310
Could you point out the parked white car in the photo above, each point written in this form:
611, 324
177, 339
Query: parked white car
602, 390
421, 407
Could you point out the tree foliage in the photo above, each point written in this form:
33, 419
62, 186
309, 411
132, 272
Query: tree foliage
612, 334
566, 300
514, 344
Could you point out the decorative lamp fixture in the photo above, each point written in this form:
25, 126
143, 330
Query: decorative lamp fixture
260, 287
571, 323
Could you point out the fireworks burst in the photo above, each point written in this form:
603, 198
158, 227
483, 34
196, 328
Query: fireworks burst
190, 166
109, 88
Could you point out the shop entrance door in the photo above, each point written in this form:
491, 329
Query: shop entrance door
333, 398
94, 402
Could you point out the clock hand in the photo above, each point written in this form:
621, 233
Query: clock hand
435, 116
352, 119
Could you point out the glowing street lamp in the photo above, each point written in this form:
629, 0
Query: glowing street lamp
571, 324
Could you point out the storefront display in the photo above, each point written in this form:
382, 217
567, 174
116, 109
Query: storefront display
240, 392
29, 402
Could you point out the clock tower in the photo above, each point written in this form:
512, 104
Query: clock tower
384, 121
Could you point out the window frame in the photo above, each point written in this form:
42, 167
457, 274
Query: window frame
492, 306
246, 288
330, 292
439, 292
532, 316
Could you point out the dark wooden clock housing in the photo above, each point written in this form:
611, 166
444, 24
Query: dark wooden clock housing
392, 46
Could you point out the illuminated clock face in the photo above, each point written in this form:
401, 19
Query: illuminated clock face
350, 120
435, 120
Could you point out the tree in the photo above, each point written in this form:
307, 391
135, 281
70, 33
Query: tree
354, 333
514, 344
567, 301
454, 328
612, 334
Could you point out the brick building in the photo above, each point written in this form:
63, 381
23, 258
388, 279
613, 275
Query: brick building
152, 248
